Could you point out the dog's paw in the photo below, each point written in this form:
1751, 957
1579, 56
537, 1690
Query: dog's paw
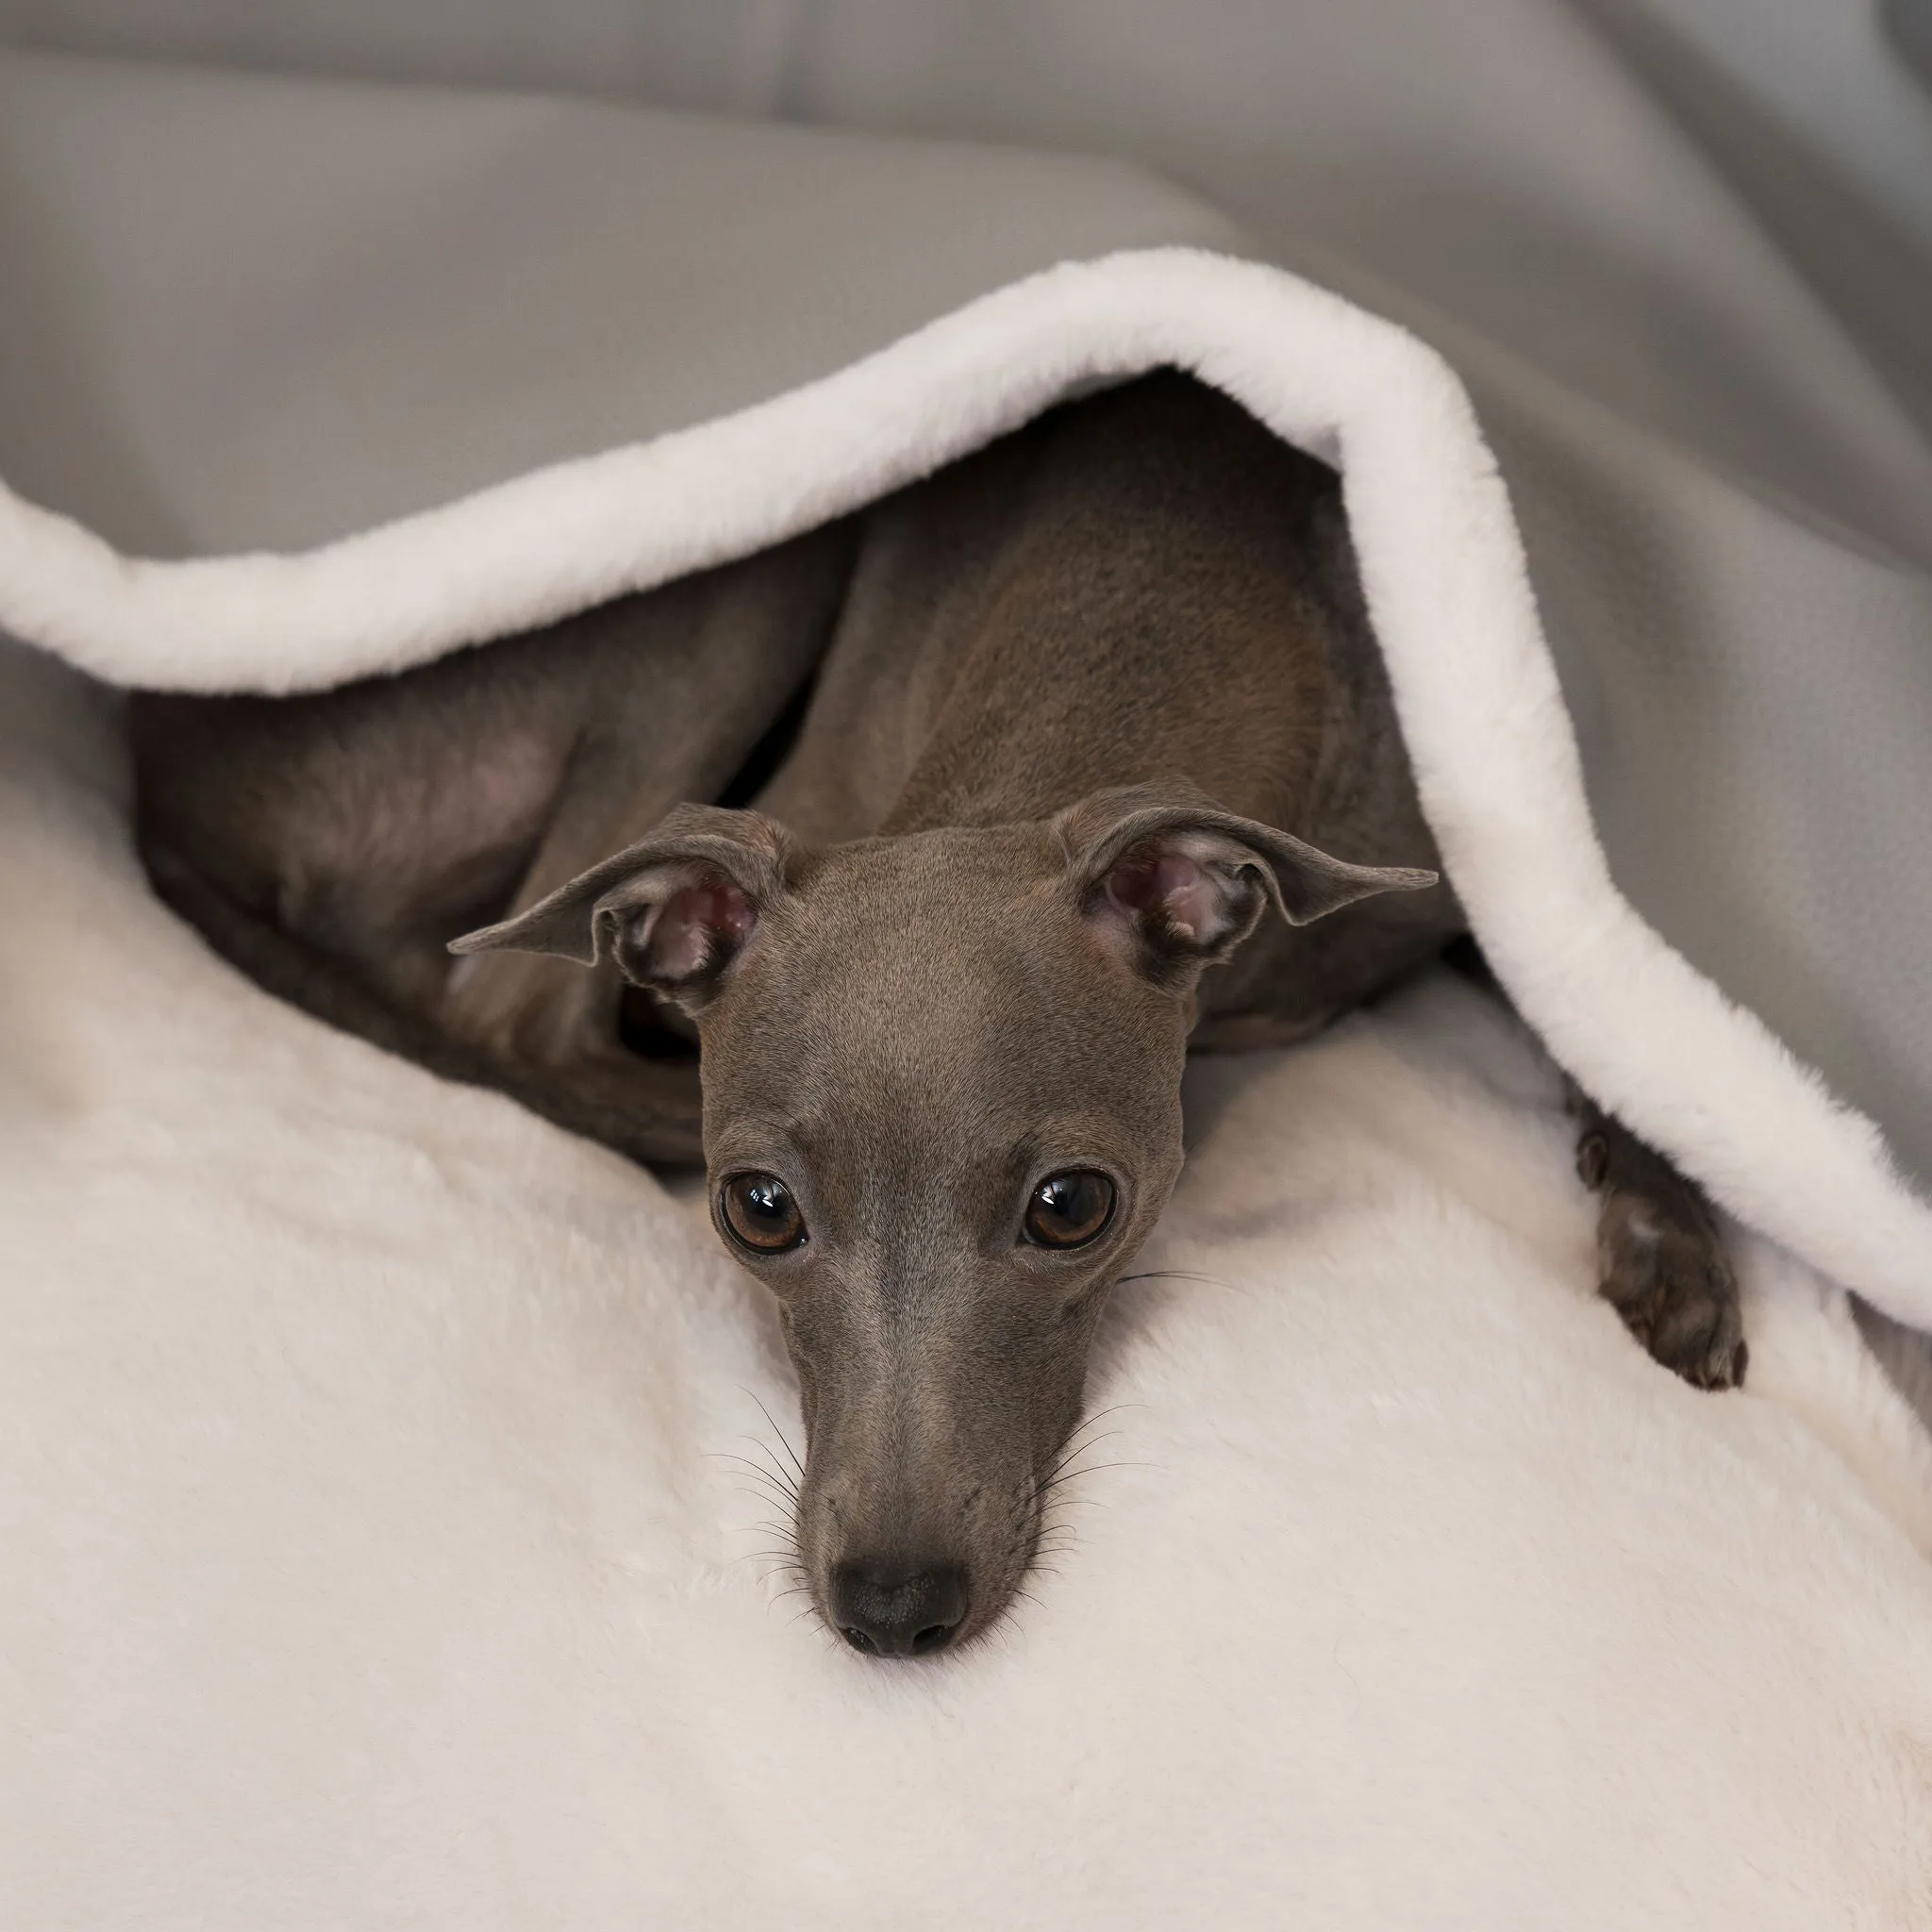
1667, 1275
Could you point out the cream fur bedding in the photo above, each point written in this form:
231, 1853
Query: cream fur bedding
374, 1556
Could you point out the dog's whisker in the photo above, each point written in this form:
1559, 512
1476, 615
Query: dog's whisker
1079, 1440
750, 1469
767, 1495
784, 1440
745, 1462
762, 1473
1177, 1274
1090, 1446
1062, 1472
765, 1492
777, 1468
1092, 1468
764, 1526
773, 1496
764, 1460
1099, 1415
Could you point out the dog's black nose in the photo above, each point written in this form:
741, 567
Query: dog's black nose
885, 1612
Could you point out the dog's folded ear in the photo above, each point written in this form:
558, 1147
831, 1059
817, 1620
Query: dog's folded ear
1184, 883
674, 911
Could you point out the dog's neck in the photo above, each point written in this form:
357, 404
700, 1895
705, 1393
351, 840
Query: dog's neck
1104, 693
1116, 596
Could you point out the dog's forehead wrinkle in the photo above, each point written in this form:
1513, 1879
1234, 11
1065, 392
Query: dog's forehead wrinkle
917, 1022
875, 892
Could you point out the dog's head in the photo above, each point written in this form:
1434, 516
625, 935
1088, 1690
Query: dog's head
942, 1079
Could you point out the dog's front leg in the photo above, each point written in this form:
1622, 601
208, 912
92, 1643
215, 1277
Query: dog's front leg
1661, 1255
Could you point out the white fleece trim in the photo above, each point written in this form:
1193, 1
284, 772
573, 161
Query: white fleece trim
1441, 564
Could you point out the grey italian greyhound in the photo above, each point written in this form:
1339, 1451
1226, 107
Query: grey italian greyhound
892, 874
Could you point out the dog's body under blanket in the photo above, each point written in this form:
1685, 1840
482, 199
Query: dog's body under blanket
1136, 625
1147, 567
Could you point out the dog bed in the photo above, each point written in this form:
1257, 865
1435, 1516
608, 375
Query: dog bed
377, 1555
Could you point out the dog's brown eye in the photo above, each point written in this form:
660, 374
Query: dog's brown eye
760, 1213
1070, 1210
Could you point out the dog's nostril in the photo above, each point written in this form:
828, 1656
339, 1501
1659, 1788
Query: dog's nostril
883, 1611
